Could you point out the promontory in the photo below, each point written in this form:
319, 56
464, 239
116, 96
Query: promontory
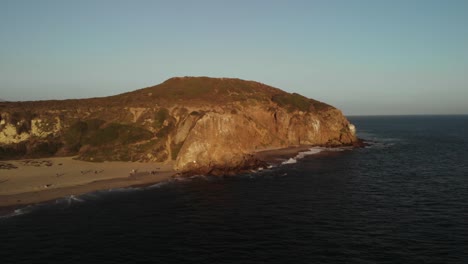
199, 124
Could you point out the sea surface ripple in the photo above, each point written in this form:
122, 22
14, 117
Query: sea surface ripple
403, 199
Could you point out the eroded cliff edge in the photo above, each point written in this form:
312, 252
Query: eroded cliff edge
207, 125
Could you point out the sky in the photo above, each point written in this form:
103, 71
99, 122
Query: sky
366, 57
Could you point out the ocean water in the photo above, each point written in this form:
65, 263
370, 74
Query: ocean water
403, 199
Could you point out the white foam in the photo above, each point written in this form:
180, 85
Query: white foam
303, 154
87, 197
74, 198
311, 151
157, 185
290, 161
21, 211
338, 149
17, 212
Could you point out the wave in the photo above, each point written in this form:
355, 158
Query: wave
16, 212
93, 196
23, 210
158, 185
289, 161
312, 151
71, 200
303, 154
63, 202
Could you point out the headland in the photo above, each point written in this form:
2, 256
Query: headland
183, 126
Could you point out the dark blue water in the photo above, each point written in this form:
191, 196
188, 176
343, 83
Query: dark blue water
402, 200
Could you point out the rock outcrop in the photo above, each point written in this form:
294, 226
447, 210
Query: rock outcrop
207, 125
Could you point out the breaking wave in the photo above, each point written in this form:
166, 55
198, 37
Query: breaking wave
302, 154
312, 151
71, 200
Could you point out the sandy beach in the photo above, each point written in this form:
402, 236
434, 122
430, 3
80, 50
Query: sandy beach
32, 181
38, 180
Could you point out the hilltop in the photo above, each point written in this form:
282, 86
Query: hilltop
193, 91
207, 125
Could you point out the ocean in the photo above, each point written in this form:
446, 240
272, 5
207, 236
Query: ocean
402, 199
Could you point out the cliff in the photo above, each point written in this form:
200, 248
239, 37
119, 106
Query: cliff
207, 125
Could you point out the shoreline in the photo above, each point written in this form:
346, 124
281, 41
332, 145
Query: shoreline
15, 201
40, 180
275, 156
33, 181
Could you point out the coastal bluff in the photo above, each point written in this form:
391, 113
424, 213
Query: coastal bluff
201, 124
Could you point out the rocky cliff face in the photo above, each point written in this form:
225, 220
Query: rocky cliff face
207, 125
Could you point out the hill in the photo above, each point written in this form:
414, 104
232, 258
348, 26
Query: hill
207, 125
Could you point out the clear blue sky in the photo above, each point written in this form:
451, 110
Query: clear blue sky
364, 57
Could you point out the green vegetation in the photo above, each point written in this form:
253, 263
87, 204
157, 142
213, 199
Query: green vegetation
76, 135
128, 138
23, 127
292, 101
192, 89
181, 88
159, 117
23, 119
118, 142
165, 131
13, 152
32, 150
118, 134
48, 148
93, 132
94, 124
319, 106
202, 89
18, 116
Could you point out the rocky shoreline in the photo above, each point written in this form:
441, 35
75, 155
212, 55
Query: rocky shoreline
42, 180
120, 141
176, 121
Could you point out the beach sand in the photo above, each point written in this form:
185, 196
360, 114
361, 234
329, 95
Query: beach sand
32, 181
40, 180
